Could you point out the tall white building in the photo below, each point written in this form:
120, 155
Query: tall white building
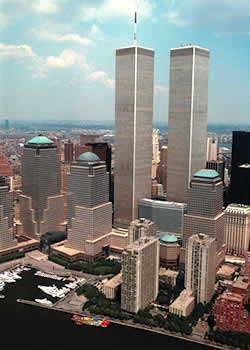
212, 146
237, 229
187, 118
133, 131
156, 152
200, 267
140, 274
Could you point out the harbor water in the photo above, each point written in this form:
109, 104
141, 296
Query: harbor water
39, 328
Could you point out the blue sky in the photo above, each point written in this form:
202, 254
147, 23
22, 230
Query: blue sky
57, 57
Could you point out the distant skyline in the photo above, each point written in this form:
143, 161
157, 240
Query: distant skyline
57, 57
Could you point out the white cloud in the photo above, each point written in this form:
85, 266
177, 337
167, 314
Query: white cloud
16, 51
162, 89
121, 9
102, 77
45, 6
48, 35
67, 58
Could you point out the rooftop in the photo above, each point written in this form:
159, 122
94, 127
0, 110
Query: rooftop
88, 157
168, 238
40, 140
183, 300
207, 173
114, 282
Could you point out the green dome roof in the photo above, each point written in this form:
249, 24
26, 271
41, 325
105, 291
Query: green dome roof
88, 157
209, 173
40, 140
168, 239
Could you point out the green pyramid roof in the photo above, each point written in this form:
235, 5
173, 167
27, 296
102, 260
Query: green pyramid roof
40, 140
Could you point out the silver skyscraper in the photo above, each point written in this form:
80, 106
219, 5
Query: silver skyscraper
187, 118
133, 130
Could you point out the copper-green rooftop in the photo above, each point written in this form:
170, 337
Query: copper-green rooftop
88, 157
207, 173
40, 140
168, 238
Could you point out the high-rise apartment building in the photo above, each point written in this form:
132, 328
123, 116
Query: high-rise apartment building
240, 156
140, 228
187, 118
201, 267
133, 131
204, 209
212, 145
88, 206
7, 237
41, 201
237, 229
140, 274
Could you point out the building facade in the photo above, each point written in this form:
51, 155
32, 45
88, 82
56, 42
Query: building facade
68, 151
161, 173
140, 274
133, 131
140, 228
219, 166
237, 229
168, 216
200, 267
240, 156
88, 207
41, 201
212, 146
204, 209
7, 236
187, 118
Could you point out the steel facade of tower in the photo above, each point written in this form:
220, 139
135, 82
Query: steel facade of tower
187, 118
133, 127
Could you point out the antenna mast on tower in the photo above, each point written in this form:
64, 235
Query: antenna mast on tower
135, 26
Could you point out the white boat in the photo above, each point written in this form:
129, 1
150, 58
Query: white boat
2, 296
44, 301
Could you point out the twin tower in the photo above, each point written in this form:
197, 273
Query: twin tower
187, 125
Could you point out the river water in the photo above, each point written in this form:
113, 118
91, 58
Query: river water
39, 328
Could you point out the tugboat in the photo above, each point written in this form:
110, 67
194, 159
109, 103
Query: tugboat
91, 321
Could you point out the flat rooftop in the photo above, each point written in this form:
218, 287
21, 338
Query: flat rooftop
183, 300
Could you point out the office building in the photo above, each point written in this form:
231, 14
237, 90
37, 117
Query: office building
187, 118
133, 131
237, 229
219, 166
204, 210
88, 206
104, 151
169, 250
201, 267
240, 156
7, 236
88, 138
183, 305
212, 146
41, 201
156, 153
80, 149
161, 173
68, 151
244, 188
140, 228
168, 216
140, 274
